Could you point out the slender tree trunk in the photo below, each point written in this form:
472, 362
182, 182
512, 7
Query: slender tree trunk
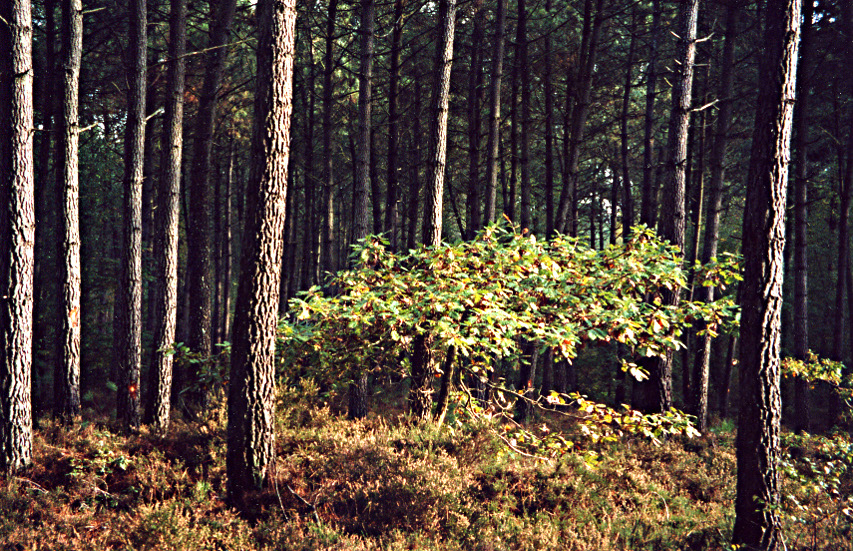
251, 397
358, 389
67, 392
726, 377
392, 213
511, 196
627, 195
45, 303
199, 227
757, 522
166, 223
475, 82
713, 205
129, 337
318, 243
648, 212
17, 234
526, 381
414, 167
523, 64
228, 238
362, 172
495, 113
420, 393
328, 158
802, 417
438, 132
672, 226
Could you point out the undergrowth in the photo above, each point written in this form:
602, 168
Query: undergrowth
386, 483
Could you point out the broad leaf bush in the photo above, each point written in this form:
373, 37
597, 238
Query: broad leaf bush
478, 300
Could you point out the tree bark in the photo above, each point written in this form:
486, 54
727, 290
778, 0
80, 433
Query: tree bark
757, 522
526, 220
328, 159
251, 394
392, 213
495, 113
67, 392
713, 206
358, 388
438, 132
45, 300
648, 213
672, 226
627, 195
362, 173
802, 416
129, 337
199, 226
166, 223
17, 234
475, 80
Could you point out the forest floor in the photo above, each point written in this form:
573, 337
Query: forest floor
385, 483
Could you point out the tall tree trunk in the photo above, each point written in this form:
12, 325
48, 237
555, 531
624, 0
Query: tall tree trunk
566, 212
438, 131
548, 90
392, 213
45, 303
420, 393
414, 168
726, 376
251, 397
318, 244
166, 223
495, 113
713, 205
199, 267
328, 159
757, 522
358, 389
523, 65
17, 234
128, 341
672, 226
362, 172
67, 392
802, 417
512, 192
648, 213
475, 81
627, 195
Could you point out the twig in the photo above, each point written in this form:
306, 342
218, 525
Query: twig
306, 503
31, 483
665, 506
516, 450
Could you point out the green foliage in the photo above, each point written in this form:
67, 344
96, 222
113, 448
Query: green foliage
212, 370
815, 369
480, 296
818, 490
480, 299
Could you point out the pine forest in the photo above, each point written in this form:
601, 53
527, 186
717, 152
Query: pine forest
426, 274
